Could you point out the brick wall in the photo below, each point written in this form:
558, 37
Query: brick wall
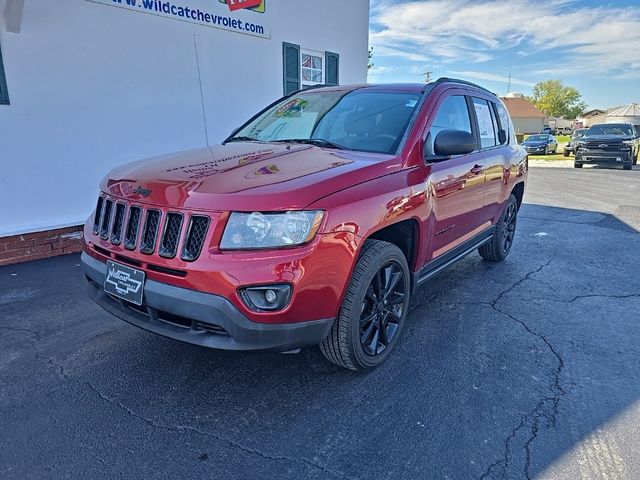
33, 246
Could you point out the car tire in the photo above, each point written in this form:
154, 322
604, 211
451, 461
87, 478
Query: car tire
565, 153
500, 245
577, 165
369, 309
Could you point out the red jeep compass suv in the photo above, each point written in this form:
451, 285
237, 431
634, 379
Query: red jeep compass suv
312, 223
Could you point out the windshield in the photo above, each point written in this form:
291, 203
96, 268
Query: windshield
537, 138
371, 121
579, 132
611, 129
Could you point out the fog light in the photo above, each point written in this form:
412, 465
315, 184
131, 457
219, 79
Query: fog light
267, 298
270, 296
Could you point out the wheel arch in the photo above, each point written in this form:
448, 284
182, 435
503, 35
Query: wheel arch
518, 192
404, 234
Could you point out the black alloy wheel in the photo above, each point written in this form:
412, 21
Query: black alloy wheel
382, 309
373, 310
497, 249
509, 231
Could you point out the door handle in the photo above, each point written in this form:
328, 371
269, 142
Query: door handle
477, 169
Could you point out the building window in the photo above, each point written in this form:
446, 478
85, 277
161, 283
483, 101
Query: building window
4, 93
306, 68
312, 68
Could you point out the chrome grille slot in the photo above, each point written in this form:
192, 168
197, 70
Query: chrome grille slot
96, 218
196, 235
150, 232
106, 220
131, 235
118, 223
171, 235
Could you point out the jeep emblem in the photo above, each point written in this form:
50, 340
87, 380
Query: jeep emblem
142, 191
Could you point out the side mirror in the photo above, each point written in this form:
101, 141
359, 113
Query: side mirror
454, 142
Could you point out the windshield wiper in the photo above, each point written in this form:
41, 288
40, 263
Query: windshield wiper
241, 139
318, 142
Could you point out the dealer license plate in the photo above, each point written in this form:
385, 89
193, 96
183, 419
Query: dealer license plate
124, 282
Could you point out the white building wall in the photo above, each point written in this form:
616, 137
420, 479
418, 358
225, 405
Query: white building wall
93, 86
634, 120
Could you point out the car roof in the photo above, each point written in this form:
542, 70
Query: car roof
402, 87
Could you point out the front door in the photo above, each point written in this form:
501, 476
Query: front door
455, 187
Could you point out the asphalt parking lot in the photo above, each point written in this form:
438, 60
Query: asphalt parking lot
525, 369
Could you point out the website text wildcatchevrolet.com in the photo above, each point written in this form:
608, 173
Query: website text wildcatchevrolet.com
169, 8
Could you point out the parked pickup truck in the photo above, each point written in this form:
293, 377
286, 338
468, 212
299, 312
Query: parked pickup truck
609, 143
570, 147
313, 223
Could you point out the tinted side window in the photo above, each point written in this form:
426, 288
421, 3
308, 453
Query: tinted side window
505, 123
4, 94
496, 126
453, 114
485, 123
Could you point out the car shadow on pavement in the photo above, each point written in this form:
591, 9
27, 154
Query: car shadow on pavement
512, 370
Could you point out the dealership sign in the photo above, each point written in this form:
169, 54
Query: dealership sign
241, 16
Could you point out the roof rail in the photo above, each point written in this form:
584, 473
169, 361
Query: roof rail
463, 82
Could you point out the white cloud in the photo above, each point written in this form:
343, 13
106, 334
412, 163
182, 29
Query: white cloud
597, 40
492, 77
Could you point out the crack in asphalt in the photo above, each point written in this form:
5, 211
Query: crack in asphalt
517, 284
592, 223
191, 429
23, 330
547, 407
596, 295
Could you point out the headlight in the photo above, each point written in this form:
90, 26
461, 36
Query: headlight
628, 143
246, 231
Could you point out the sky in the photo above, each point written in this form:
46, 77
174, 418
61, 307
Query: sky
587, 44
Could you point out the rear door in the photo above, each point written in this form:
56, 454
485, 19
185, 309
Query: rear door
456, 185
498, 155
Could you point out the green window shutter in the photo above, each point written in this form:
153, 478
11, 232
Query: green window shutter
332, 70
291, 66
4, 93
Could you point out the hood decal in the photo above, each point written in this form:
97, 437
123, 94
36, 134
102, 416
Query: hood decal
197, 171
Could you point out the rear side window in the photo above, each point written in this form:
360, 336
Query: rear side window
453, 114
485, 123
505, 125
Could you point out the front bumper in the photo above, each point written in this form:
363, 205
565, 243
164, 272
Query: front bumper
200, 318
536, 150
618, 158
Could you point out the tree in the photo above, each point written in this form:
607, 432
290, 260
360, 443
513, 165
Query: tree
370, 64
427, 77
557, 100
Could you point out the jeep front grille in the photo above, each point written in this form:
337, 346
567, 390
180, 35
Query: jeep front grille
131, 236
138, 228
150, 232
196, 234
118, 222
171, 235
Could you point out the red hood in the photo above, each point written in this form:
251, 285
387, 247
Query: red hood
246, 176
